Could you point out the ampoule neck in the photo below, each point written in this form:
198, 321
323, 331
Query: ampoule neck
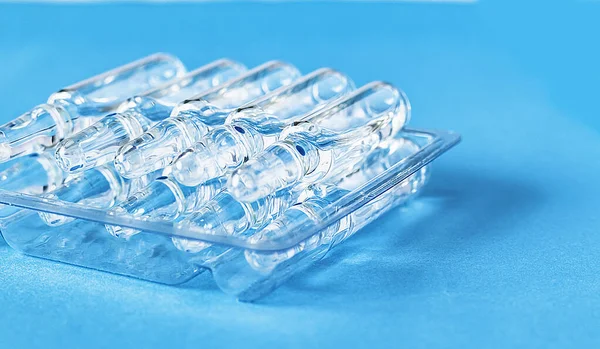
257, 118
41, 127
244, 113
264, 209
303, 143
201, 110
71, 101
148, 108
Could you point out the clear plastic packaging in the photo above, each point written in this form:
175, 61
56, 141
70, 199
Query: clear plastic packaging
252, 175
246, 265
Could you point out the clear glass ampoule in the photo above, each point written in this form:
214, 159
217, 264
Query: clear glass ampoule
225, 215
168, 199
248, 131
192, 119
76, 107
314, 210
250, 274
318, 206
98, 144
100, 187
32, 174
163, 199
325, 143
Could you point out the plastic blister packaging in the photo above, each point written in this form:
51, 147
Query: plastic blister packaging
152, 254
250, 245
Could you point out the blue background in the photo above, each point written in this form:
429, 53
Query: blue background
502, 250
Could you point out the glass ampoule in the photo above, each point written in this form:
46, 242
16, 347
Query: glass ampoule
163, 199
78, 106
99, 187
192, 119
98, 144
325, 143
321, 203
313, 210
227, 216
224, 215
249, 130
33, 174
375, 106
261, 124
249, 273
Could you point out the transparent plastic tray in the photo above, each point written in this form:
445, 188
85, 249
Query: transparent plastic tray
152, 255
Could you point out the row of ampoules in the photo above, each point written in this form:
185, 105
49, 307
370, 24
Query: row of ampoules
228, 148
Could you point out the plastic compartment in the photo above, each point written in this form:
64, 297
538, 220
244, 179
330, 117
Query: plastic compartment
152, 255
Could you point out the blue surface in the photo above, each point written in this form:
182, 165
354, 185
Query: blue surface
501, 251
